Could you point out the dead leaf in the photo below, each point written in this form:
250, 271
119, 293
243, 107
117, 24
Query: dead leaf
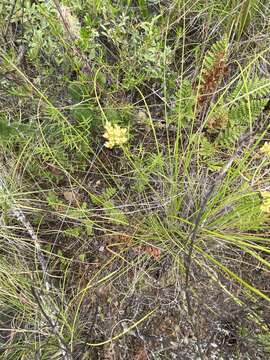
124, 237
54, 169
153, 251
72, 197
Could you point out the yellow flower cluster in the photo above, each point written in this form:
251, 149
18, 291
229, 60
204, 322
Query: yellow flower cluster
115, 135
265, 207
265, 149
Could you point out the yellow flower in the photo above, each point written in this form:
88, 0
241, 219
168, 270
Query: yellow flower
265, 207
265, 149
265, 194
114, 135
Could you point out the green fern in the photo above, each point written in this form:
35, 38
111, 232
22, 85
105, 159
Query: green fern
253, 87
206, 149
229, 137
185, 101
248, 100
241, 116
244, 112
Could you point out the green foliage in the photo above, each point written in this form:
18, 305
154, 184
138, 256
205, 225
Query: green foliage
185, 100
229, 137
113, 213
147, 165
110, 223
53, 200
250, 87
139, 43
250, 216
241, 211
231, 113
34, 16
206, 148
14, 132
249, 100
7, 132
242, 15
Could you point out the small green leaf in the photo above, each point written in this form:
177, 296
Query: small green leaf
89, 227
82, 257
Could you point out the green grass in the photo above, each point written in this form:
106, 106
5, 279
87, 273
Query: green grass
158, 246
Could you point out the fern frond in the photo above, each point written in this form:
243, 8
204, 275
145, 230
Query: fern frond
243, 113
229, 137
218, 50
185, 101
207, 149
254, 87
214, 68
